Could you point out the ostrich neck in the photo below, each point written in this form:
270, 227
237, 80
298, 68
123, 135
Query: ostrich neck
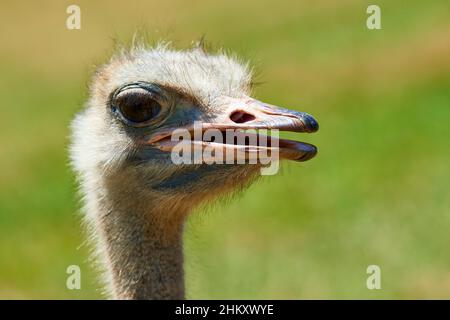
142, 248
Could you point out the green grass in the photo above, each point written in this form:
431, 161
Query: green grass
378, 192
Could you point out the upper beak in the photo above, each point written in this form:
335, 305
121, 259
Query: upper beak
250, 113
246, 114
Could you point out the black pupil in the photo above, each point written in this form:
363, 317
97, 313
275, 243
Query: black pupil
137, 105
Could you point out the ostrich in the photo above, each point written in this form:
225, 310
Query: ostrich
136, 199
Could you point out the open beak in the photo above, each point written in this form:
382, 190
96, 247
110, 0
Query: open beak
243, 120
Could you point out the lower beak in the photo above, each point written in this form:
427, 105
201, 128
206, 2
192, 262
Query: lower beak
243, 120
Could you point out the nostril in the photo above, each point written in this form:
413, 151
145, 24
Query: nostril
241, 117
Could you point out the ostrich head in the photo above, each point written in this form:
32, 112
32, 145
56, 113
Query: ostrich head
122, 149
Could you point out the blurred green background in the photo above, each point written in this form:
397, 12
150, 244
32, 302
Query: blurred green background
378, 192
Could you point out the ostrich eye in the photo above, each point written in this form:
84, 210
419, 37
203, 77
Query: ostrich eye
136, 105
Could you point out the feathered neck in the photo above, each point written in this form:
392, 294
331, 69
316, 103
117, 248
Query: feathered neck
139, 236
